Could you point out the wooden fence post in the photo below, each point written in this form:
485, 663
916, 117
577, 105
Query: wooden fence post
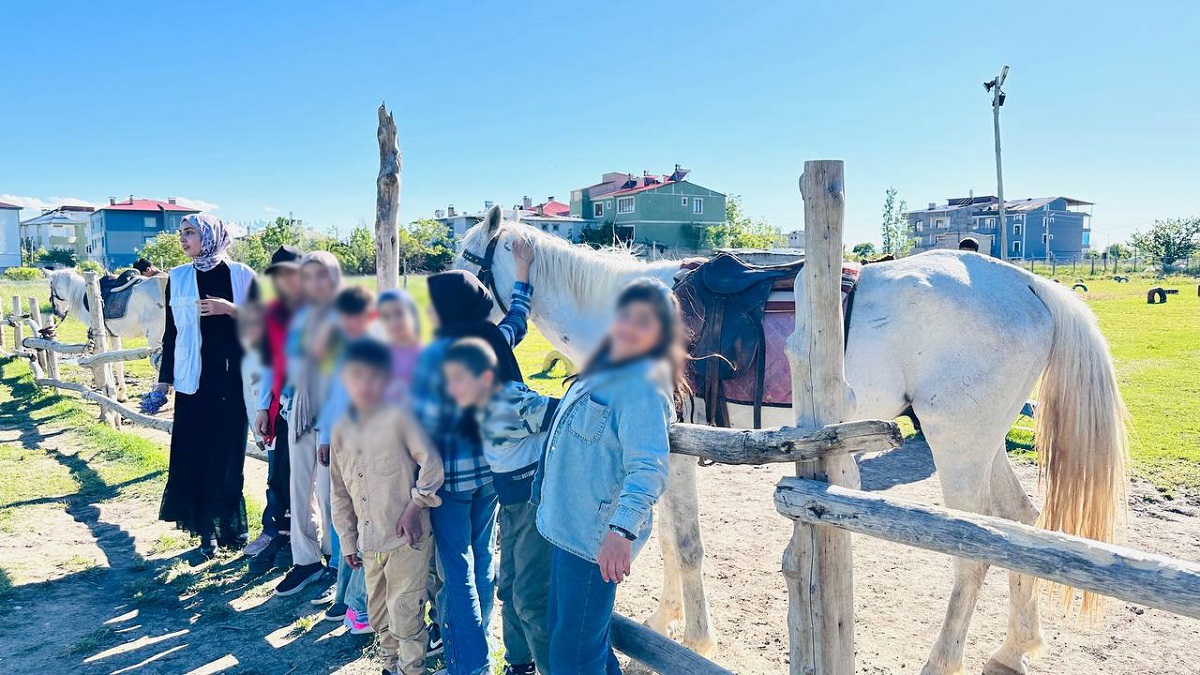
817, 564
102, 372
18, 331
387, 204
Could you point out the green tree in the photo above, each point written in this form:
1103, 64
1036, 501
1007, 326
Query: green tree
742, 231
864, 250
64, 257
164, 251
280, 232
249, 250
424, 245
897, 238
1169, 241
1119, 250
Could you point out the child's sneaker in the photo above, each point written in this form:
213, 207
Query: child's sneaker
358, 622
258, 545
336, 612
435, 646
520, 669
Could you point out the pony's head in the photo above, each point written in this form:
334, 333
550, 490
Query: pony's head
486, 251
66, 291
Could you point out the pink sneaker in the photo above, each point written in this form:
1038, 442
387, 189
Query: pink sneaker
357, 622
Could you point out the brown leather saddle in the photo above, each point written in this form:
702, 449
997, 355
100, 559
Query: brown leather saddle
115, 290
723, 302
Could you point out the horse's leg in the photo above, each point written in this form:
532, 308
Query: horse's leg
118, 369
1024, 635
689, 551
670, 603
965, 476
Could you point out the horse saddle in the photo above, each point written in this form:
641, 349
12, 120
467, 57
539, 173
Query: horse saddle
724, 302
115, 291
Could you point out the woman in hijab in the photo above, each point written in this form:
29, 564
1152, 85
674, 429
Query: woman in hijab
201, 358
463, 524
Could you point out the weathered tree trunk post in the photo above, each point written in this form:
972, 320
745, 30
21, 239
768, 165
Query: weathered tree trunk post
387, 204
35, 313
18, 332
101, 372
817, 565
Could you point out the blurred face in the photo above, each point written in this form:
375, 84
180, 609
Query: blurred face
364, 384
250, 325
635, 331
354, 325
318, 286
466, 388
399, 323
189, 238
287, 284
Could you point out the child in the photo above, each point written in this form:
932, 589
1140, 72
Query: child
355, 309
385, 473
604, 468
512, 420
402, 328
251, 325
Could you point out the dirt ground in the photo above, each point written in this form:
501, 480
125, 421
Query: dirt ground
143, 608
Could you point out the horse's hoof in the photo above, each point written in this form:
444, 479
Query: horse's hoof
705, 646
932, 669
662, 620
995, 667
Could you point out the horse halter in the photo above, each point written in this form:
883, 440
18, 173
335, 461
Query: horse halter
485, 274
55, 298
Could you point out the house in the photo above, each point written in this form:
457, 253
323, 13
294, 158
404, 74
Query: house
668, 213
10, 235
544, 217
1043, 227
120, 229
795, 239
64, 227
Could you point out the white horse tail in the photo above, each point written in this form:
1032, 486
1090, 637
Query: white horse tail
1081, 435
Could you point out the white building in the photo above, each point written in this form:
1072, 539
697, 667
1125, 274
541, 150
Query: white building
796, 239
64, 227
10, 235
567, 227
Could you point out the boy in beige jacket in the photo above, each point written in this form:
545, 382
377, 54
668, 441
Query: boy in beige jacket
385, 474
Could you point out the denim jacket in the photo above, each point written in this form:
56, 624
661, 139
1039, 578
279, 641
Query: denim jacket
605, 461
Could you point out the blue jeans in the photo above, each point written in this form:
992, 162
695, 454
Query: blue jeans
275, 514
351, 585
581, 605
462, 528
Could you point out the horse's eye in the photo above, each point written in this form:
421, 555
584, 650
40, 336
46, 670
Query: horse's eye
508, 246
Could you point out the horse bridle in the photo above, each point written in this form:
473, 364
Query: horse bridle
54, 296
485, 274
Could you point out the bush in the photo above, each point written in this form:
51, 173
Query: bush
22, 274
90, 266
64, 257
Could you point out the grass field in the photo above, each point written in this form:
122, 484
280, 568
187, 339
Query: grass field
1156, 348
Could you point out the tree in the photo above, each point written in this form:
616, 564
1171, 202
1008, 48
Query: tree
897, 240
1119, 251
864, 250
1168, 241
742, 231
280, 232
356, 253
249, 250
64, 257
424, 244
164, 251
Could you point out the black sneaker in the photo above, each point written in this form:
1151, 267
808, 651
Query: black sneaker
266, 558
520, 669
298, 577
336, 612
435, 646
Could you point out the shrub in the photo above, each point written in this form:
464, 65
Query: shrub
90, 266
64, 257
22, 274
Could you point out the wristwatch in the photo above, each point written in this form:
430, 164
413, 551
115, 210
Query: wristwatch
623, 532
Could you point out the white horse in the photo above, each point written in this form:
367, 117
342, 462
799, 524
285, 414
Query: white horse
961, 338
145, 315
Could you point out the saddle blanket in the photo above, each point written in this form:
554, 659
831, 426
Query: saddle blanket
779, 321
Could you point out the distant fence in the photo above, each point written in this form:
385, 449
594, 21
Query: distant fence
1103, 266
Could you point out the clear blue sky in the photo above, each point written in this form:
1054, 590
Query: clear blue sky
265, 107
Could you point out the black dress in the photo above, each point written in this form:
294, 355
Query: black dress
208, 442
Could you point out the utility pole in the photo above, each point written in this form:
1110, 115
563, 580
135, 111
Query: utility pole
993, 86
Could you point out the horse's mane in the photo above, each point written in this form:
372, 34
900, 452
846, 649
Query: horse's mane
74, 286
592, 277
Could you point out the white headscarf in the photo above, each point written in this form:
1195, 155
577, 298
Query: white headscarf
214, 240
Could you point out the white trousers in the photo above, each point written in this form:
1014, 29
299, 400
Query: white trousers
311, 528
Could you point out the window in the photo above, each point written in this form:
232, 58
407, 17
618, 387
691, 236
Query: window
625, 205
150, 221
1045, 238
1087, 238
698, 206
920, 225
1016, 229
598, 210
1017, 247
685, 201
940, 222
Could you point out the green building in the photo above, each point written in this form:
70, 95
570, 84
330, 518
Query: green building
666, 214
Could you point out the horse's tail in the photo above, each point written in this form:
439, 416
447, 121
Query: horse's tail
1081, 435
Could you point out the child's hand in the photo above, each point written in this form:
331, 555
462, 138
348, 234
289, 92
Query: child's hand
409, 526
323, 454
522, 257
614, 558
353, 560
261, 423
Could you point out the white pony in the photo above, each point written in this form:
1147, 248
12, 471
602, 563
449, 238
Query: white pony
145, 315
961, 338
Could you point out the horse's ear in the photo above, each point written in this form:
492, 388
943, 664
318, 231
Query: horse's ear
492, 219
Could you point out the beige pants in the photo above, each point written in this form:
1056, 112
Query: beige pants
310, 500
396, 604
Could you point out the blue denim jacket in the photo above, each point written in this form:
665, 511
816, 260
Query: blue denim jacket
605, 461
